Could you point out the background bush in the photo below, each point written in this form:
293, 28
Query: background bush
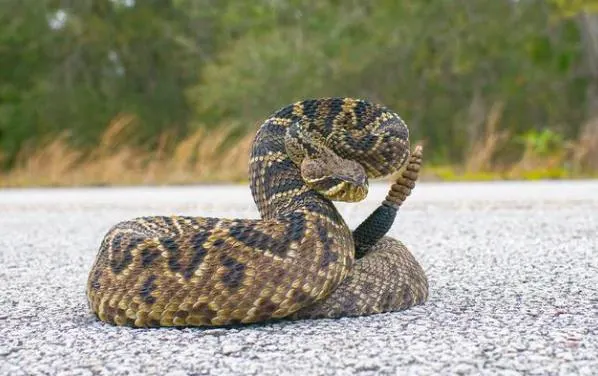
183, 65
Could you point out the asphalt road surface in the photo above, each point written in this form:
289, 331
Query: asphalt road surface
513, 271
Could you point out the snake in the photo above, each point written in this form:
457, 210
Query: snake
299, 259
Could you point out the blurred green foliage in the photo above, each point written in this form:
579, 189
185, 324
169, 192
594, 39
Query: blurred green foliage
182, 64
542, 143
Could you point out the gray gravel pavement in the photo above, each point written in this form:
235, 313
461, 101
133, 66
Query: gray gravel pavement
513, 270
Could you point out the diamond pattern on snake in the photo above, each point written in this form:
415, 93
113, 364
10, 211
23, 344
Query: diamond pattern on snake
299, 260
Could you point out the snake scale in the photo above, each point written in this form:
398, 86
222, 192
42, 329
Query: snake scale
300, 259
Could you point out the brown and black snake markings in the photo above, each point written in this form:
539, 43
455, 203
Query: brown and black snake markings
299, 260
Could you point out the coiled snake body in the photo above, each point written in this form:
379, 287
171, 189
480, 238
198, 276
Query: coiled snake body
300, 260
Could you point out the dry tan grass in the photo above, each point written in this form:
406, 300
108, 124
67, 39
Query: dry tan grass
483, 150
198, 158
202, 158
584, 153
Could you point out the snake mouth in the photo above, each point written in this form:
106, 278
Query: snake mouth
348, 192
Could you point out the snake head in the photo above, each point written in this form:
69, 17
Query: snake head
334, 177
